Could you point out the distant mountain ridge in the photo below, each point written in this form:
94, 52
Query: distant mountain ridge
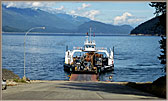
21, 19
100, 27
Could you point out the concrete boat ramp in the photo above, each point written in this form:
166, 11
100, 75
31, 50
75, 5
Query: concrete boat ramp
74, 90
83, 77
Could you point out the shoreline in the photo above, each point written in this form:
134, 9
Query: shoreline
61, 34
145, 35
75, 34
157, 87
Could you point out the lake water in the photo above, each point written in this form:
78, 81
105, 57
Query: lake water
135, 57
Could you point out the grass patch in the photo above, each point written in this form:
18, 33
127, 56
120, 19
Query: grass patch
19, 80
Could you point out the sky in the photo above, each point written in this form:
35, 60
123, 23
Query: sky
110, 12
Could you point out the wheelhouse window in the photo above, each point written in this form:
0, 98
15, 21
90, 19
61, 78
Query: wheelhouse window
89, 46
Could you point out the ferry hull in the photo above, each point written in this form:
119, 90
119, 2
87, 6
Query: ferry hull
71, 69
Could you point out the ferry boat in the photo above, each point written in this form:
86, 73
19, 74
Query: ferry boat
92, 59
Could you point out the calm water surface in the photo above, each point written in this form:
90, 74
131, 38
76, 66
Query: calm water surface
135, 56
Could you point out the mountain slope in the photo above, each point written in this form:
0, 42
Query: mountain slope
74, 19
27, 18
150, 27
99, 27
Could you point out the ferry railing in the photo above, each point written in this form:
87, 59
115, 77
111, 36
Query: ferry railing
97, 48
77, 48
101, 48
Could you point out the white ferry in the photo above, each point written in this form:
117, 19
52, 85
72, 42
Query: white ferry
90, 60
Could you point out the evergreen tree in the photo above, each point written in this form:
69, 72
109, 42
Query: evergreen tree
161, 12
160, 7
162, 56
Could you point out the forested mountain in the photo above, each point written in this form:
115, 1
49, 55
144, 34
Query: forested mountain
150, 27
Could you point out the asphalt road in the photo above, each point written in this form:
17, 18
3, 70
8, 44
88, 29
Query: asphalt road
73, 90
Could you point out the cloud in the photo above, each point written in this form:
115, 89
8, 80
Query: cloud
48, 6
126, 18
82, 11
61, 8
122, 18
92, 14
72, 12
36, 4
45, 6
84, 6
89, 14
134, 20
